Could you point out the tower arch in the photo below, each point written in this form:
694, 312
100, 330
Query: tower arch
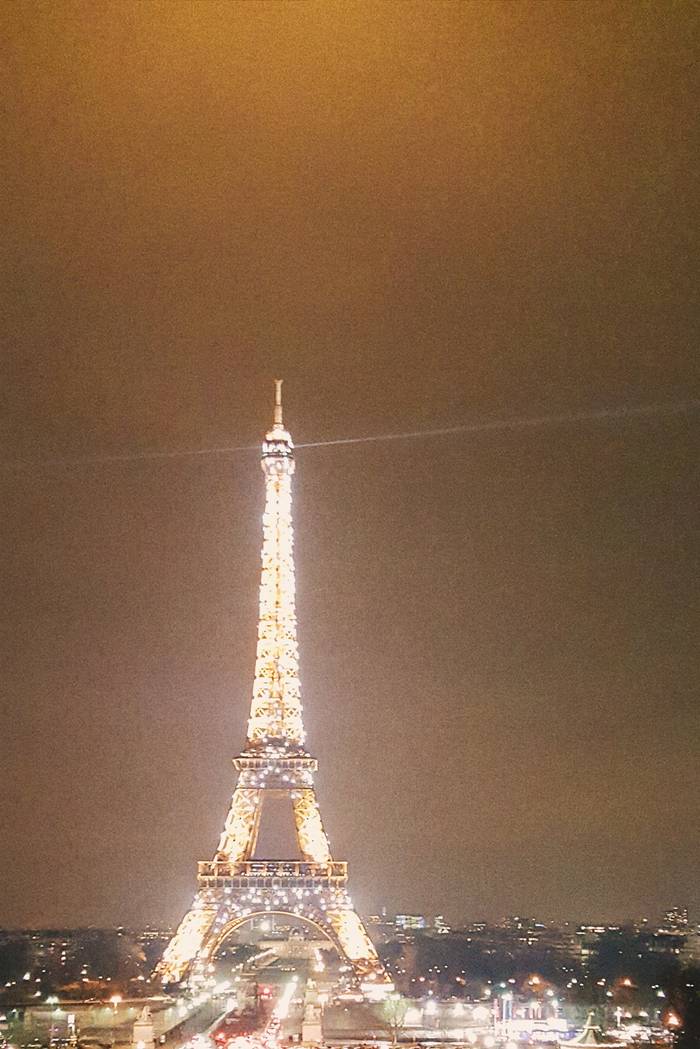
220, 937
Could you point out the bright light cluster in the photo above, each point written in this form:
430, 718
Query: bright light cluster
273, 776
210, 922
355, 942
313, 905
187, 941
240, 830
330, 909
310, 833
276, 709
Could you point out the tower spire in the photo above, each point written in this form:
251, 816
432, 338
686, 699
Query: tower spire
278, 404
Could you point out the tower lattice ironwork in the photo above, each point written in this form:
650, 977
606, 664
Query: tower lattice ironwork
235, 886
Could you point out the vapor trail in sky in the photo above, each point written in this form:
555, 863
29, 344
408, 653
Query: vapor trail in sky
129, 457
523, 423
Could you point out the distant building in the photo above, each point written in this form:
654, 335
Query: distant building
54, 947
439, 925
515, 921
410, 922
587, 938
151, 933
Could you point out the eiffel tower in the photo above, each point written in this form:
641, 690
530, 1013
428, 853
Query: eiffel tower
235, 886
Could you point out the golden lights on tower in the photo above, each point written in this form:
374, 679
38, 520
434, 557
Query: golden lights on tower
276, 712
234, 886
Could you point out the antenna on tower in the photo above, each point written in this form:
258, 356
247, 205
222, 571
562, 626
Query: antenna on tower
278, 402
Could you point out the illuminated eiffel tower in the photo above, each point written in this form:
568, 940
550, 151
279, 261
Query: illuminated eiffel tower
235, 887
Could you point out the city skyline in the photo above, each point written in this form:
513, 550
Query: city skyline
497, 626
429, 921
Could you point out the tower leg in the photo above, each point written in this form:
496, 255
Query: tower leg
356, 944
187, 942
311, 836
242, 823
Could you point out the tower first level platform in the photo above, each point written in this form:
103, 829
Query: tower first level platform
236, 886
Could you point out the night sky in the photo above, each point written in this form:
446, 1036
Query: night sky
421, 215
